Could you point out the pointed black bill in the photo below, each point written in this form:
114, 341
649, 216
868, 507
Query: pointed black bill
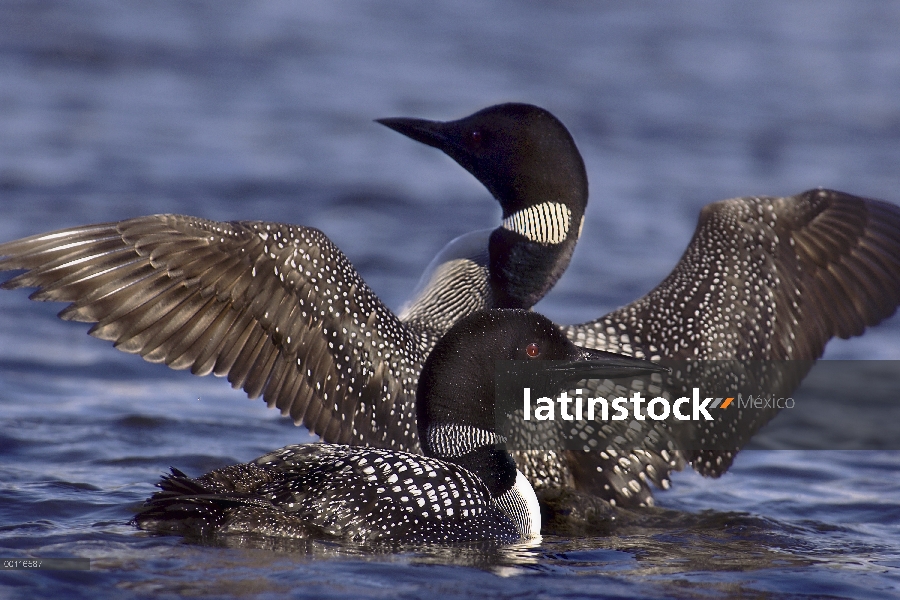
431, 133
597, 364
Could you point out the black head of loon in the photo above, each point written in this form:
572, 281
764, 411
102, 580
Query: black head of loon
528, 160
457, 383
465, 488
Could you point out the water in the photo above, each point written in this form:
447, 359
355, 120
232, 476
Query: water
233, 110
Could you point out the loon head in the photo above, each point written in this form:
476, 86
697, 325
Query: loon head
457, 383
529, 162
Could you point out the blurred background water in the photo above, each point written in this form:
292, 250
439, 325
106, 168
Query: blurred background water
263, 110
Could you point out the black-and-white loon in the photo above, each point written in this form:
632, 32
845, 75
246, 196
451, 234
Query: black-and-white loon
279, 309
282, 313
465, 488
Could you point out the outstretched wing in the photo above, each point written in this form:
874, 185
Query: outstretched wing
766, 279
278, 309
763, 279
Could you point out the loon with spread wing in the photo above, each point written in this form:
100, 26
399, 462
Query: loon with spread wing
282, 312
465, 488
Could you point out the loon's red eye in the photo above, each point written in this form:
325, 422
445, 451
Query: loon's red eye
475, 137
532, 350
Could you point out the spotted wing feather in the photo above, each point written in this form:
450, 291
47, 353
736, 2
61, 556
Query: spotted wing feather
278, 309
769, 280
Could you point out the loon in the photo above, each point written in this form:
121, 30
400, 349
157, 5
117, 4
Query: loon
465, 488
282, 313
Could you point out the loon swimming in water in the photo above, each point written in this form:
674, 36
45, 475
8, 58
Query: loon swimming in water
282, 313
465, 488
279, 309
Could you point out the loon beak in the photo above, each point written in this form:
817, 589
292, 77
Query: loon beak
597, 364
431, 133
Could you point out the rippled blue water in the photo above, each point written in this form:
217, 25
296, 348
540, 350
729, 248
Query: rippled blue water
263, 110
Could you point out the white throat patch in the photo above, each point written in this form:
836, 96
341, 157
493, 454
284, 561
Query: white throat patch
455, 440
546, 223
